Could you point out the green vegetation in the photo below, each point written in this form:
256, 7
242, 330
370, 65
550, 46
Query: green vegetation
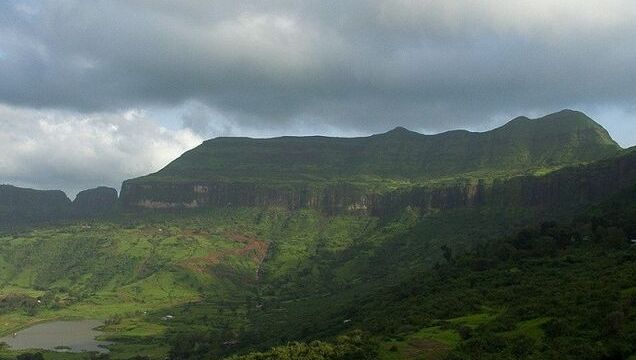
397, 157
240, 280
229, 275
494, 281
354, 346
556, 291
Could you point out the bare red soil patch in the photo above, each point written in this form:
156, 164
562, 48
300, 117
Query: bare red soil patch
426, 349
253, 248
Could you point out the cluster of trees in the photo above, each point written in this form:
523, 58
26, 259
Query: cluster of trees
353, 346
577, 281
13, 302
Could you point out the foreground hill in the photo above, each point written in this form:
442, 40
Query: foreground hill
242, 279
561, 290
342, 173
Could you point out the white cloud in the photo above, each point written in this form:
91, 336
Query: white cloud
266, 68
546, 18
71, 151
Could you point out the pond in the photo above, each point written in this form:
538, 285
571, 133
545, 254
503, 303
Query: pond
73, 336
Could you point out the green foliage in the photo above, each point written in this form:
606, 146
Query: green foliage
542, 292
396, 158
563, 292
30, 356
353, 346
258, 283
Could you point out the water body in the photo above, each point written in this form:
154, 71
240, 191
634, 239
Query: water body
73, 336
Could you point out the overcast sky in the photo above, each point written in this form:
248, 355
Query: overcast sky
94, 92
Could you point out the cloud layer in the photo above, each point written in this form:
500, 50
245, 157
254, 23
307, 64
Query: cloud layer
338, 67
61, 150
355, 63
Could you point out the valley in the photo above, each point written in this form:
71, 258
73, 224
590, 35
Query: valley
330, 248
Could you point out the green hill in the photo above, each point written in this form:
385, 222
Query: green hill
21, 205
487, 250
564, 138
353, 174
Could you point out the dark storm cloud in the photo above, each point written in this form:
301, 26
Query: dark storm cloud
352, 64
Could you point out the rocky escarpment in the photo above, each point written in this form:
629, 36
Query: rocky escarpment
100, 200
568, 187
362, 174
379, 174
334, 198
18, 205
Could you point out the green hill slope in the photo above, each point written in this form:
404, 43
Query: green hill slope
564, 138
349, 174
21, 205
257, 275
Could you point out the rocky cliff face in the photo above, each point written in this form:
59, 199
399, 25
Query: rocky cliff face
18, 205
100, 200
331, 199
360, 174
567, 187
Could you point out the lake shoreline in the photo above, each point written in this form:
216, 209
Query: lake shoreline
61, 335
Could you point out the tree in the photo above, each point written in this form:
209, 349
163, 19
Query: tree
447, 253
30, 356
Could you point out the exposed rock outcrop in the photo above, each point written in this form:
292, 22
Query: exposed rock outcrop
21, 205
572, 186
97, 201
331, 199
360, 175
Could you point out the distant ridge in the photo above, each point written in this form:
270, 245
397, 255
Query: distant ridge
368, 174
563, 138
400, 131
23, 205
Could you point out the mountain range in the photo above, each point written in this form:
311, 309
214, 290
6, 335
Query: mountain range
513, 243
521, 162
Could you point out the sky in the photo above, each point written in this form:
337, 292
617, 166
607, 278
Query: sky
95, 92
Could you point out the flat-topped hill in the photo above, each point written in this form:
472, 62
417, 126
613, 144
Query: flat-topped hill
336, 174
522, 145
